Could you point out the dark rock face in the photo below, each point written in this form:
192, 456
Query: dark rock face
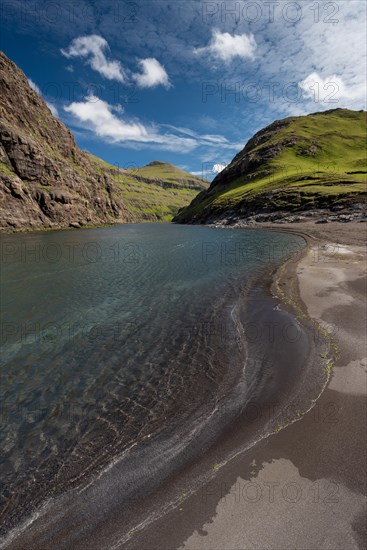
261, 210
355, 213
45, 179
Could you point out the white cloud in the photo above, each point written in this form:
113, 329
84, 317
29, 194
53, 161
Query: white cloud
98, 114
212, 139
218, 168
329, 90
153, 74
94, 48
36, 88
52, 108
315, 50
225, 46
207, 172
99, 117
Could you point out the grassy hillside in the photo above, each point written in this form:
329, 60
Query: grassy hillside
299, 163
154, 192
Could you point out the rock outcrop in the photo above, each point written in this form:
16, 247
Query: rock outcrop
47, 181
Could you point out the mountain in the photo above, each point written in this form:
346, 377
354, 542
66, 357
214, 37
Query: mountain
308, 166
47, 181
154, 192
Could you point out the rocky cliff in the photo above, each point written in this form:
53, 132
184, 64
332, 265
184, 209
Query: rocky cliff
47, 181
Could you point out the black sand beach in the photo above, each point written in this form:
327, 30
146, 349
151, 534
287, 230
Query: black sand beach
249, 489
305, 486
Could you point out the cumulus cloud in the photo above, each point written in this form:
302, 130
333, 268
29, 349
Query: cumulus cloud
36, 88
153, 74
329, 90
94, 49
225, 46
99, 117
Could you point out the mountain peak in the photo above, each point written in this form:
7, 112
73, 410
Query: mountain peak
158, 163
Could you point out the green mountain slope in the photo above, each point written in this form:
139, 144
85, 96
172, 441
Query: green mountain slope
47, 181
295, 165
154, 192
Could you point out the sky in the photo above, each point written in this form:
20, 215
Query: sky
185, 82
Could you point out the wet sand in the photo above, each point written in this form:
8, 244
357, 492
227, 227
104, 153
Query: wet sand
304, 487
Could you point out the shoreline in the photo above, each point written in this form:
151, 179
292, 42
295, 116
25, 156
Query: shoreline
31, 230
250, 442
156, 532
217, 520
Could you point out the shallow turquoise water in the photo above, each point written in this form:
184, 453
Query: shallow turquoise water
112, 335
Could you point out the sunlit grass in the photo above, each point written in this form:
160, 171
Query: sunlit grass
154, 192
320, 156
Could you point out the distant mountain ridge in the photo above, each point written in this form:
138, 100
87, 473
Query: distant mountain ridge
46, 181
299, 166
154, 192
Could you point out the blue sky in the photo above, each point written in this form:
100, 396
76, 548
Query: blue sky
187, 82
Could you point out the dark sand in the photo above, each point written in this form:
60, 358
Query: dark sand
304, 487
